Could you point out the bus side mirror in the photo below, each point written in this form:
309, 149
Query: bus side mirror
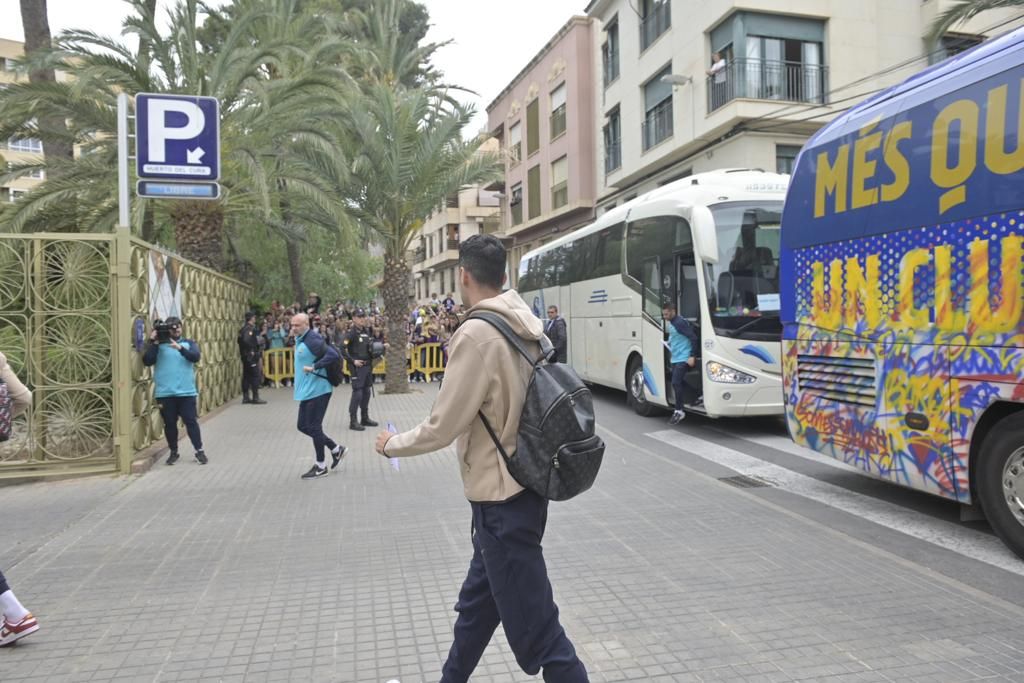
702, 222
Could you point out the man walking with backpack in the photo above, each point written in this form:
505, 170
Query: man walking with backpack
487, 377
313, 391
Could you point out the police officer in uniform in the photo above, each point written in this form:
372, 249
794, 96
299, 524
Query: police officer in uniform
355, 349
252, 356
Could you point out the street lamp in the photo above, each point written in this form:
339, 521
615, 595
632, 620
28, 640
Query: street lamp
679, 80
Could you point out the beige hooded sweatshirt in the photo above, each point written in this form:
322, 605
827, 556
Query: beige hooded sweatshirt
485, 373
21, 397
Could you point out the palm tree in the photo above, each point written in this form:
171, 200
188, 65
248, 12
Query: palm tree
963, 11
411, 155
257, 115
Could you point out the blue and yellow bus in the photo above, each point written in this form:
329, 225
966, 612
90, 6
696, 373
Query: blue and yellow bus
903, 342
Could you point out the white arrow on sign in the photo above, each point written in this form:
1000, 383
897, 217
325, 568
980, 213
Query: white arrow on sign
160, 132
195, 155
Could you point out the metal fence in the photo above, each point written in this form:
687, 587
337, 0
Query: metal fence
74, 311
763, 79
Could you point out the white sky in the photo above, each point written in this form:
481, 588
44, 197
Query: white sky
494, 39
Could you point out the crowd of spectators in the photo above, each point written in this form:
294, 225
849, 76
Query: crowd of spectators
433, 322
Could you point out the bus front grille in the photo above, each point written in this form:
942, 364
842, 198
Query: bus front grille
845, 380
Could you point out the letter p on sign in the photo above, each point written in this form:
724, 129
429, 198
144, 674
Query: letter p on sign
161, 130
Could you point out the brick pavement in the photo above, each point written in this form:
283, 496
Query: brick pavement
242, 571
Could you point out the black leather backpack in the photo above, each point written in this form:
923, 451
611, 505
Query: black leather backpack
557, 452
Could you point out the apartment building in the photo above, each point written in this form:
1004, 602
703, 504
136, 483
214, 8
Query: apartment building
667, 109
435, 252
544, 121
17, 151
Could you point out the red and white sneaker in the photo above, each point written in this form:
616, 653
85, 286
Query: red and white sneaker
12, 632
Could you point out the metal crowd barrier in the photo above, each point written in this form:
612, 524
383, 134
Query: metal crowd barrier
429, 359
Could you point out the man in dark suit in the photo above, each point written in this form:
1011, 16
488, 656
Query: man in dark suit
555, 331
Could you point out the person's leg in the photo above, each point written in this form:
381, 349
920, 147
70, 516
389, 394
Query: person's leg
364, 403
477, 620
315, 424
511, 535
10, 608
679, 384
187, 408
358, 387
245, 384
169, 413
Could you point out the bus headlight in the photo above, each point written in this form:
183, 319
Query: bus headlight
726, 375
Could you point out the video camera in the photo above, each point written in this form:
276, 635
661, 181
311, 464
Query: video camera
163, 329
376, 349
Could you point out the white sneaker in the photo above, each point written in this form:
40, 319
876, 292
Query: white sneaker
677, 417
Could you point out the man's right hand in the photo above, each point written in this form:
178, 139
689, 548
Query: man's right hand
152, 335
359, 363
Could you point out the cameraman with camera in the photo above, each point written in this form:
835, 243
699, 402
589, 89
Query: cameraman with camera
359, 349
175, 380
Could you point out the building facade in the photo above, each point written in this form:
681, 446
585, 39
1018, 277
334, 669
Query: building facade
544, 121
17, 151
667, 108
435, 252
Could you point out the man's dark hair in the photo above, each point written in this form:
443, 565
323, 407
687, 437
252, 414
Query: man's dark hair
669, 306
250, 316
484, 257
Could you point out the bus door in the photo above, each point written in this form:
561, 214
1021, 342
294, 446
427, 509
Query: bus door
688, 305
653, 333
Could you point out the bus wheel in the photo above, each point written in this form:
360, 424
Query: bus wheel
1001, 481
636, 389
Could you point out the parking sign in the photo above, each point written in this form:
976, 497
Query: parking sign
177, 137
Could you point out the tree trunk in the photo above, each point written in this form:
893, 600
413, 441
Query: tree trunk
198, 231
57, 146
396, 309
295, 268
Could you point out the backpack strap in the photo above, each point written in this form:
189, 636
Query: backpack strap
514, 339
494, 437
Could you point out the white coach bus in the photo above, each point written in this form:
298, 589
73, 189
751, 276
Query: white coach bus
708, 243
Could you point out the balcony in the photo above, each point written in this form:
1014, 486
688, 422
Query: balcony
419, 255
761, 79
654, 24
658, 124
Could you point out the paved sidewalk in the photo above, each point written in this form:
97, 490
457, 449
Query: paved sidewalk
241, 571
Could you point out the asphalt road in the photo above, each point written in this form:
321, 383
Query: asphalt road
920, 528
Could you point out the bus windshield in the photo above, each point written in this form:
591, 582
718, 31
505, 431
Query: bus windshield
743, 287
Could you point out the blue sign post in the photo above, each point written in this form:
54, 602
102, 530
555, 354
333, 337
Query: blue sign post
177, 143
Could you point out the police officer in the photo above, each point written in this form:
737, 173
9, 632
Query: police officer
355, 349
252, 356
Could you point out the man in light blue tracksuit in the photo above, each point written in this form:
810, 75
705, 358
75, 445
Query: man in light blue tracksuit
175, 390
313, 392
681, 341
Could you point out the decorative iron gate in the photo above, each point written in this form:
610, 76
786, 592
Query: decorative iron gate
74, 309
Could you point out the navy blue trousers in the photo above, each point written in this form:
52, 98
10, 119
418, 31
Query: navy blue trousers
173, 407
683, 391
311, 423
508, 584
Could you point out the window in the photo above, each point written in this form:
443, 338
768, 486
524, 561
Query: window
37, 174
610, 52
785, 158
607, 259
650, 237
613, 142
656, 18
13, 195
533, 192
560, 183
657, 124
558, 111
6, 64
515, 143
532, 127
953, 44
516, 204
25, 145
783, 69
